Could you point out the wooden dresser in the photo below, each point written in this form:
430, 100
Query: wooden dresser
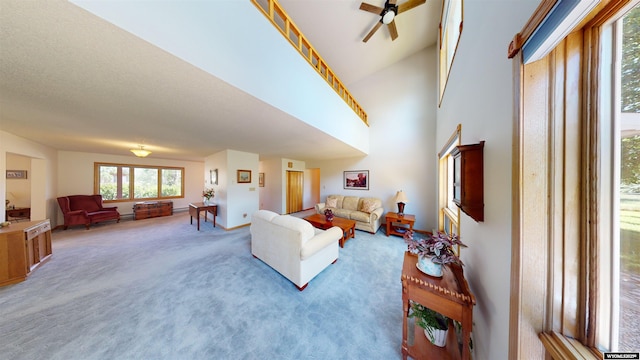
150, 209
24, 247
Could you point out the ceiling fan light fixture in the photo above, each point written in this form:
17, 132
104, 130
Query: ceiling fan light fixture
140, 152
388, 16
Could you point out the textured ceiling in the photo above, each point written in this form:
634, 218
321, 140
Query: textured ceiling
73, 81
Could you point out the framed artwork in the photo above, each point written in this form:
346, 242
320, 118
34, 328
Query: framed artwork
213, 176
356, 179
244, 176
261, 179
16, 174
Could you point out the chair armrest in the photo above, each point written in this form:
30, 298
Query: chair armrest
320, 208
109, 208
76, 212
320, 241
377, 213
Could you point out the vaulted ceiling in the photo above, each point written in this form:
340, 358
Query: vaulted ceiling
73, 81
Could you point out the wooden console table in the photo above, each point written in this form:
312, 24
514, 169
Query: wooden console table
196, 208
24, 246
17, 214
448, 295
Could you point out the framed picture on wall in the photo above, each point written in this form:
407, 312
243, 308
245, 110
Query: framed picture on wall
356, 179
213, 176
16, 174
244, 176
261, 179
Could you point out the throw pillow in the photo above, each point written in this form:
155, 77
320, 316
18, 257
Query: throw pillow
369, 205
332, 202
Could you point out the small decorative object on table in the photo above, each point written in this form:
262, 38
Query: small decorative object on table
434, 251
328, 214
208, 194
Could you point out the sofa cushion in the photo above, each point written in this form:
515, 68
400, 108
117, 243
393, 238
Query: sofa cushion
360, 216
350, 202
343, 213
295, 224
339, 199
332, 202
368, 205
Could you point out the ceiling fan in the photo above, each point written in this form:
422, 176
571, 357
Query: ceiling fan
388, 14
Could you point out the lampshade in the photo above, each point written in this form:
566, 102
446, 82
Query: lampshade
401, 197
141, 152
387, 18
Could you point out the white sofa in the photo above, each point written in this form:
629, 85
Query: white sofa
292, 247
365, 211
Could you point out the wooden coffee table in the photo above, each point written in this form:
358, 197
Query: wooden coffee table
348, 226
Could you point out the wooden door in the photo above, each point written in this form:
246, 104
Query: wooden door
295, 187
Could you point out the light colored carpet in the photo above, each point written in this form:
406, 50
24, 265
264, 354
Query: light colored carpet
159, 289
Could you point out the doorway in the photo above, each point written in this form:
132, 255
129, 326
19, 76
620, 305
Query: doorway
295, 191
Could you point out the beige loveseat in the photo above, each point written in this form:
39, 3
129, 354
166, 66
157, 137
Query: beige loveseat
365, 211
292, 247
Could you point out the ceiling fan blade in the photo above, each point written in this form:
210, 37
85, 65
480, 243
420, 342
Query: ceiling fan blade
392, 2
409, 5
393, 30
373, 31
371, 8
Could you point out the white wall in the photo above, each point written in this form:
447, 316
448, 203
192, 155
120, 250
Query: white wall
401, 107
19, 190
243, 198
218, 161
479, 96
76, 173
271, 193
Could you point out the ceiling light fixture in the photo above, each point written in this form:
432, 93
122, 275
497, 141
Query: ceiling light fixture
141, 152
388, 16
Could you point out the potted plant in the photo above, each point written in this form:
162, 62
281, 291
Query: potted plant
208, 194
434, 251
328, 214
435, 325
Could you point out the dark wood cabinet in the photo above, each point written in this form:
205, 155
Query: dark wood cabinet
468, 179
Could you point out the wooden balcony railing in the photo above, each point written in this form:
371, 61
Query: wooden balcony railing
279, 18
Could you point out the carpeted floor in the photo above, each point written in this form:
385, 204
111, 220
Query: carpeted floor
159, 289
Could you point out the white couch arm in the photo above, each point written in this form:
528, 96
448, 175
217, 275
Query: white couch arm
377, 214
320, 208
320, 241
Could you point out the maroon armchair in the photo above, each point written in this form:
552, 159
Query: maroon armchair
86, 210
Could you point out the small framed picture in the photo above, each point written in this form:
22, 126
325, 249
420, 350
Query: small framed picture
16, 174
244, 176
356, 179
213, 176
261, 179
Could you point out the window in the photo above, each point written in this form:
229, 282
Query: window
449, 213
570, 207
121, 182
619, 126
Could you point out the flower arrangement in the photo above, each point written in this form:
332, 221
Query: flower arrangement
438, 247
208, 193
328, 214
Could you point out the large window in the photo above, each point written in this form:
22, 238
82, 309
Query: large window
122, 182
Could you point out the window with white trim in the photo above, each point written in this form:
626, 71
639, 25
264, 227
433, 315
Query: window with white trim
124, 182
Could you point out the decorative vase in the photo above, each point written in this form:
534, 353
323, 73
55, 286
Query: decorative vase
437, 337
429, 267
206, 201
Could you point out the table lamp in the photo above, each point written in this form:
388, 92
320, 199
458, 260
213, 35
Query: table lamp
401, 199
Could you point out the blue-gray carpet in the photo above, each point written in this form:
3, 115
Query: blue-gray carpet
159, 289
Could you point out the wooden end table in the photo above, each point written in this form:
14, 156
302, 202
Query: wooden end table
348, 226
196, 208
448, 295
394, 218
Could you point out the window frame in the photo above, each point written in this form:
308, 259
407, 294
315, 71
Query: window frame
132, 167
448, 212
